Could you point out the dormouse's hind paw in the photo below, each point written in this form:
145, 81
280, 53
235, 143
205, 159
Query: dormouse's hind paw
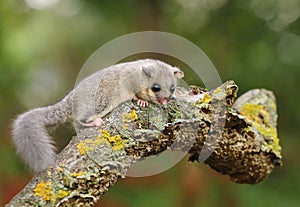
142, 103
97, 122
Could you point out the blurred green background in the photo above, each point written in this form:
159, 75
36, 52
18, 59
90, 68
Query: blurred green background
44, 43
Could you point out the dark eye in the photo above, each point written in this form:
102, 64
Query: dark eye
155, 87
172, 89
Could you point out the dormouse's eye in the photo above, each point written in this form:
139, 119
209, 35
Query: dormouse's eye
155, 87
172, 89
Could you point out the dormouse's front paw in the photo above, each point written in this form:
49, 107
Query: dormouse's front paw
142, 103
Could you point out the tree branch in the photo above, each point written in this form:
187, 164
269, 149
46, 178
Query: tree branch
239, 139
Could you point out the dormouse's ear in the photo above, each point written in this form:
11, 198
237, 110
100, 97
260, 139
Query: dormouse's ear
148, 70
178, 73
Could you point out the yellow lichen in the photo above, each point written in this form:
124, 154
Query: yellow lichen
116, 140
256, 113
105, 133
45, 191
103, 137
62, 193
66, 179
252, 111
129, 117
260, 118
77, 174
217, 90
82, 147
85, 146
158, 119
206, 98
270, 134
59, 169
247, 129
273, 105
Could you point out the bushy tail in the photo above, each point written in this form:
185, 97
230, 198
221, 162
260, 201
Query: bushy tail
30, 135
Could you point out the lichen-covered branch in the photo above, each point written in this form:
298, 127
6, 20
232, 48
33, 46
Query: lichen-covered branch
238, 139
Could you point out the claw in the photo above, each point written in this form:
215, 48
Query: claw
142, 103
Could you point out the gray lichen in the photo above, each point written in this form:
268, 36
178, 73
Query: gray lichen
245, 148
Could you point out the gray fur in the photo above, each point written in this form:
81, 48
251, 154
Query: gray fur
30, 133
95, 96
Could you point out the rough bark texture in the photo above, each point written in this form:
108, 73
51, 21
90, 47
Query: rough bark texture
239, 139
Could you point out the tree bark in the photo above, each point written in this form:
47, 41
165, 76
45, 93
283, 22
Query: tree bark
238, 139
